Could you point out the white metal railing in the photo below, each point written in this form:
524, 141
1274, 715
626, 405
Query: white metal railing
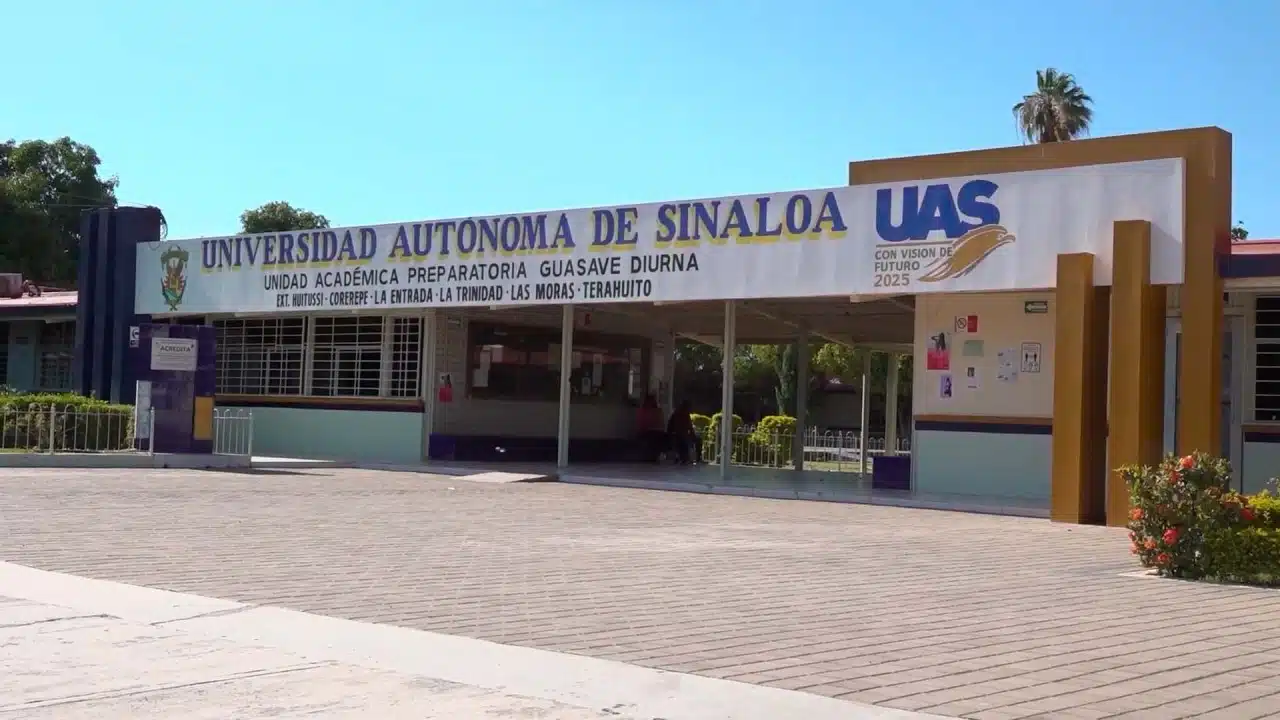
41, 428
233, 431
833, 450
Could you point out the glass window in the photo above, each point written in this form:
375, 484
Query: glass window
514, 362
1266, 387
57, 353
260, 356
4, 354
347, 356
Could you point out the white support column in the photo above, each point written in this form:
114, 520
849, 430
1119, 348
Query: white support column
863, 436
726, 390
430, 339
891, 406
802, 399
566, 367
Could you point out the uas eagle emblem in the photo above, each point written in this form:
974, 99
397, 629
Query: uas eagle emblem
174, 282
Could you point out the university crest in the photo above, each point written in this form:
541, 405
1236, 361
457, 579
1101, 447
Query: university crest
174, 282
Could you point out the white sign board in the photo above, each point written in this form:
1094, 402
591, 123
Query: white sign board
981, 233
173, 354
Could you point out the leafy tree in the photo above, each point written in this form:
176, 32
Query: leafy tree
1058, 110
1238, 232
279, 217
44, 188
784, 367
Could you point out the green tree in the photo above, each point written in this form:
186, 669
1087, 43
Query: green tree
1057, 111
44, 188
279, 217
1238, 232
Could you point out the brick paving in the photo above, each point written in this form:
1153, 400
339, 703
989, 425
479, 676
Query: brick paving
964, 615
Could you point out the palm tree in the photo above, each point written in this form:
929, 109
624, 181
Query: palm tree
1058, 110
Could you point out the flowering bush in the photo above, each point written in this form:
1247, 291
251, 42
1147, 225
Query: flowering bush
1186, 522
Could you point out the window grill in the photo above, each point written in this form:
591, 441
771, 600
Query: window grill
57, 353
406, 357
260, 356
347, 356
1266, 386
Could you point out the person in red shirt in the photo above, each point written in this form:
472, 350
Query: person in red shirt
649, 428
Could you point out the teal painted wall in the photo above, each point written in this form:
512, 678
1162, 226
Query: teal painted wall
985, 464
1261, 464
392, 437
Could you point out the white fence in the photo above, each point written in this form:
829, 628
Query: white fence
39, 428
233, 431
831, 450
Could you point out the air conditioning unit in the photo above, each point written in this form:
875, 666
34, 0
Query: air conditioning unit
11, 285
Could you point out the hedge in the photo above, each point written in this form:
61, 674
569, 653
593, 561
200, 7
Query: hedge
711, 439
1186, 522
41, 422
773, 439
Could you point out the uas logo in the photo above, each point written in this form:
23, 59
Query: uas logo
970, 220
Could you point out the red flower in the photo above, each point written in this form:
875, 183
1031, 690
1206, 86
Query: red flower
1174, 477
1150, 544
1246, 514
1134, 549
1170, 536
1135, 514
1162, 559
1186, 462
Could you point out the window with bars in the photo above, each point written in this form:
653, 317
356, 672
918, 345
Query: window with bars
347, 356
350, 356
260, 356
406, 357
57, 353
1266, 335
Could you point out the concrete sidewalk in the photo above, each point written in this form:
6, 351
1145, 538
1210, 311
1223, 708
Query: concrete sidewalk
72, 647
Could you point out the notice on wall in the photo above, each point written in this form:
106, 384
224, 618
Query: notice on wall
142, 409
1031, 352
971, 378
966, 324
1007, 365
972, 348
944, 386
173, 354
938, 354
444, 391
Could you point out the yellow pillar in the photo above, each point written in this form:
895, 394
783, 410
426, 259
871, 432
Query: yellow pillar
1136, 412
1208, 234
1078, 387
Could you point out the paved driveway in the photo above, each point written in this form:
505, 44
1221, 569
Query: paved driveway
964, 615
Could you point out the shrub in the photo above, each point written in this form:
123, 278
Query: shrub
700, 423
711, 439
772, 439
63, 421
1185, 522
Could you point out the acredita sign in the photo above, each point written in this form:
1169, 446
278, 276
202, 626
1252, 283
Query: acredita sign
988, 233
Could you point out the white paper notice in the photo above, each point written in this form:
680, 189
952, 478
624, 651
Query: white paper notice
1007, 365
971, 379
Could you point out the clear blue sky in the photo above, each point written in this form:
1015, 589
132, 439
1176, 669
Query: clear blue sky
386, 110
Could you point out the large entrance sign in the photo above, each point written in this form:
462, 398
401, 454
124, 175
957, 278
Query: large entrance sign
985, 233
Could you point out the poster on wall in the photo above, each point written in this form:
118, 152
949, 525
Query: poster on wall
966, 323
1007, 365
971, 379
944, 386
938, 354
1030, 357
972, 348
445, 392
